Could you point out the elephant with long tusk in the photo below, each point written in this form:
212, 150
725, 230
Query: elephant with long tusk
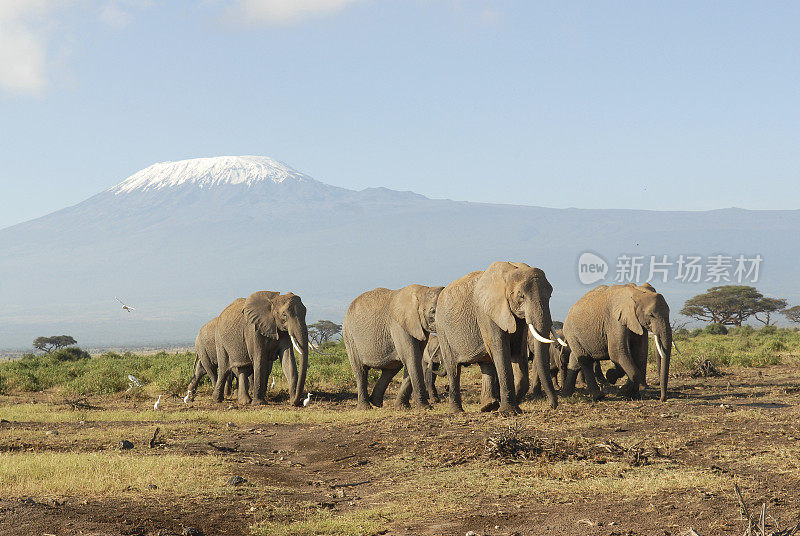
496, 318
612, 322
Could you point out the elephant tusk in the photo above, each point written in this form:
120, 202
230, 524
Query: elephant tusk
537, 336
311, 344
296, 346
658, 347
559, 339
676, 347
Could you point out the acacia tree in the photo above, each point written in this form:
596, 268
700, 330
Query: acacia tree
48, 344
792, 313
323, 330
731, 305
768, 306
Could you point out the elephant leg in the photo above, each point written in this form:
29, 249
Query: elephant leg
243, 375
453, 370
404, 393
620, 353
430, 383
199, 372
378, 392
229, 385
498, 345
410, 350
222, 374
521, 377
570, 375
490, 388
598, 372
587, 368
614, 374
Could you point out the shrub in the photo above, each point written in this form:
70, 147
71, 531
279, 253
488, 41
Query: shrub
742, 330
72, 353
716, 329
695, 332
768, 330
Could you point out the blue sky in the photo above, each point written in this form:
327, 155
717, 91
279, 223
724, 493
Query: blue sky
658, 105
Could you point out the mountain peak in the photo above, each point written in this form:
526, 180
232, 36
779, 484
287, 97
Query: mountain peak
209, 172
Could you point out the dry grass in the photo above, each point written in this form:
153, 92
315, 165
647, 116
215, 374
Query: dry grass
107, 474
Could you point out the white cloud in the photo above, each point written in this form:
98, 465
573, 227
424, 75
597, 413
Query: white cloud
27, 29
22, 46
284, 11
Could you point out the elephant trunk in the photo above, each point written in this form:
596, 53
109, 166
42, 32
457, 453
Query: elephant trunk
299, 337
663, 343
539, 322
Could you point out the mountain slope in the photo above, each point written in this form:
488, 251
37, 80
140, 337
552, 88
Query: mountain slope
181, 240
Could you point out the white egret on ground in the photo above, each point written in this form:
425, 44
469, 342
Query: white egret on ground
307, 400
157, 405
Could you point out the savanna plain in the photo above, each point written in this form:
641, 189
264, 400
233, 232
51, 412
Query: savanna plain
613, 467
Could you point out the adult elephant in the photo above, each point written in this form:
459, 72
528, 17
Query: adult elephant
253, 333
486, 318
388, 329
612, 322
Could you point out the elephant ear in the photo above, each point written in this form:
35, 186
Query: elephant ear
405, 310
647, 286
490, 295
625, 311
257, 310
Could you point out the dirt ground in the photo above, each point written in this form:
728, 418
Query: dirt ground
614, 467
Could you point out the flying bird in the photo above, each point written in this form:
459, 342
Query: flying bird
157, 405
307, 400
126, 307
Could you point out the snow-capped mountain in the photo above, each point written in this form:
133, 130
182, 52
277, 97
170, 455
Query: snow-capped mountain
180, 240
209, 172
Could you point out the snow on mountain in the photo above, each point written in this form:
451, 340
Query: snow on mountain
209, 172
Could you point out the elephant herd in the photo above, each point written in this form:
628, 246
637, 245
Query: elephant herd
498, 318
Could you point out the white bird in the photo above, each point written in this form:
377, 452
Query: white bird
307, 400
157, 405
134, 381
188, 396
272, 385
126, 307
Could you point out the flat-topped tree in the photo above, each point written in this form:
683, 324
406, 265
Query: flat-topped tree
792, 313
732, 305
48, 344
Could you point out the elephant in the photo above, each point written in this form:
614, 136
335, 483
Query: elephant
612, 322
485, 317
431, 366
205, 361
388, 329
253, 333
